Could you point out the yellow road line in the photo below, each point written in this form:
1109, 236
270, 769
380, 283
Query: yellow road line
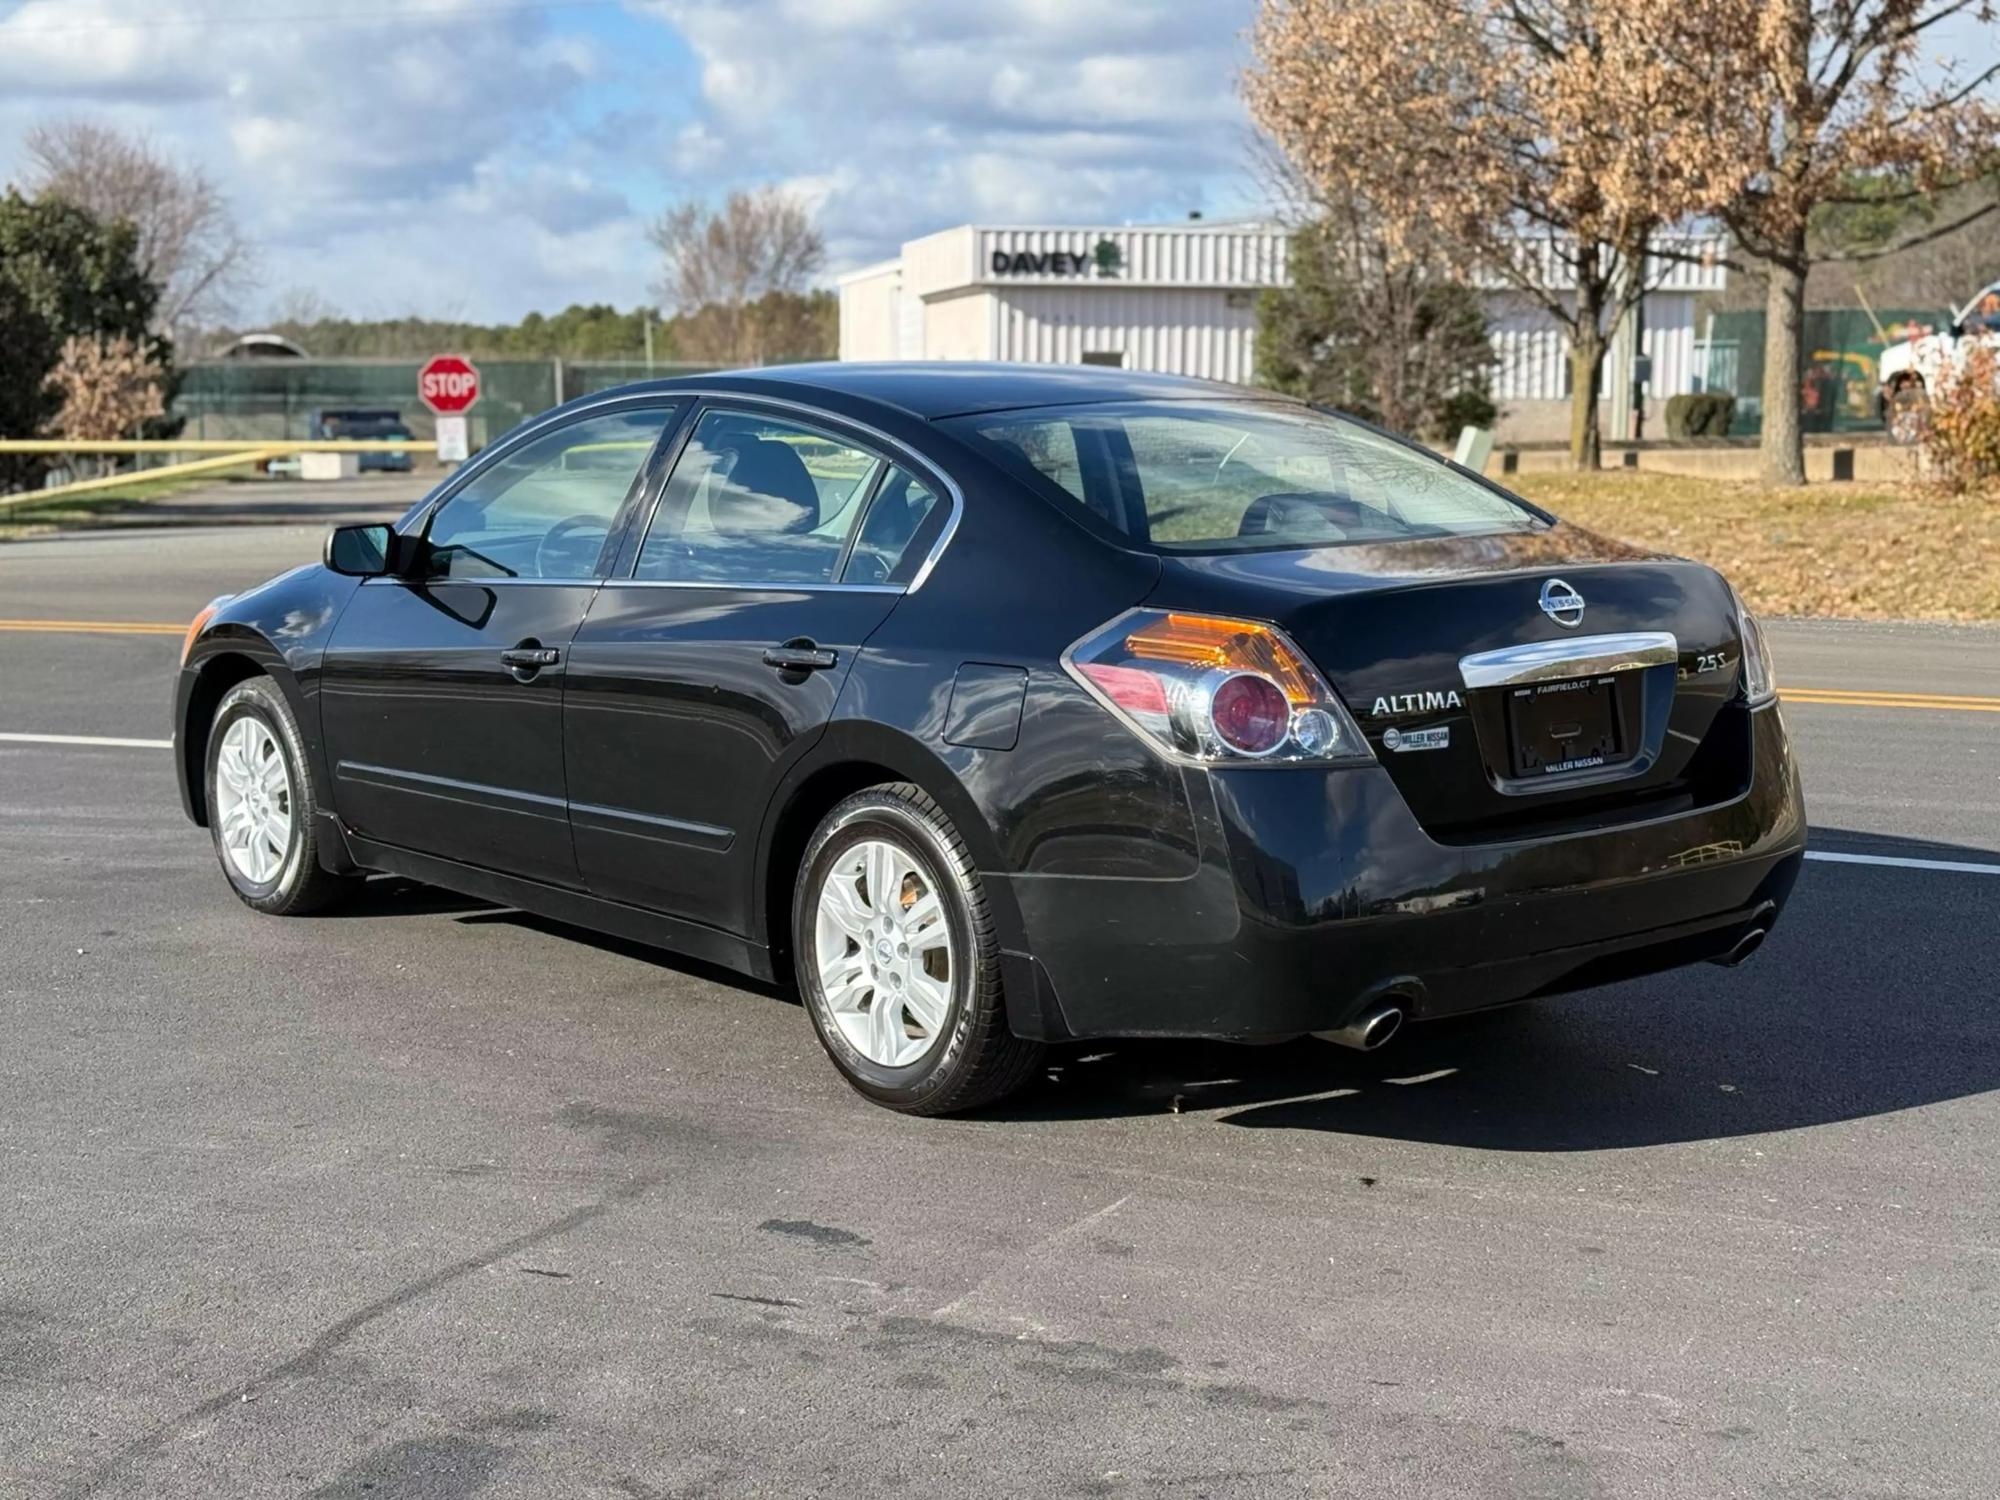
1827, 697
93, 627
1845, 698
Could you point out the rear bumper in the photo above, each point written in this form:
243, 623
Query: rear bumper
1317, 893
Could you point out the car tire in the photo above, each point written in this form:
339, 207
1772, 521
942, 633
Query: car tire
897, 961
261, 805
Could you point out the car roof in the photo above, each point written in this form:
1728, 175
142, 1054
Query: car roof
945, 388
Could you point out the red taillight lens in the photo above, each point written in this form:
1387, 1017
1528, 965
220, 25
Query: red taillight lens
1250, 714
1132, 689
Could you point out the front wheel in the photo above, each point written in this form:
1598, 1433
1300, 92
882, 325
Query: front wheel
897, 960
260, 805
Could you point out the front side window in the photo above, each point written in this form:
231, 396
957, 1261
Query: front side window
545, 509
757, 500
1226, 476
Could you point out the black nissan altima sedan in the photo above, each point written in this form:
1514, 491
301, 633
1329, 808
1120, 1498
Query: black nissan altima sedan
1002, 705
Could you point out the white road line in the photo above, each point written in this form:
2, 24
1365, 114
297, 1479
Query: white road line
1827, 856
85, 739
1957, 866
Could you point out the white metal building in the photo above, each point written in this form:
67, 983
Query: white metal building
1182, 298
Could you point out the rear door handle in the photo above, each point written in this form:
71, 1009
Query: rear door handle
533, 658
799, 656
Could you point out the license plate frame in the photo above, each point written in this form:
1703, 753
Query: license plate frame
1563, 727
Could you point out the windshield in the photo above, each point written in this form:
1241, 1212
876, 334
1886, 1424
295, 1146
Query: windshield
1227, 476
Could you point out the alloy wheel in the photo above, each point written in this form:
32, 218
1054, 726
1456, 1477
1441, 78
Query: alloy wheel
254, 800
884, 953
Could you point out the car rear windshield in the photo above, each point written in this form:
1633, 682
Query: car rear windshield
1236, 476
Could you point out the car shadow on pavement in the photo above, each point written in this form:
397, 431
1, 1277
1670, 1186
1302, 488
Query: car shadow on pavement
659, 958
1875, 993
393, 896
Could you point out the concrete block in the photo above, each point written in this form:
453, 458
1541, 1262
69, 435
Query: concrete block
329, 465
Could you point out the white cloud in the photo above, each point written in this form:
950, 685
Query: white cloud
911, 116
493, 160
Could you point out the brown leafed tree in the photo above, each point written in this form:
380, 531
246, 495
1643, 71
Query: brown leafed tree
189, 244
1547, 142
722, 266
109, 387
1838, 94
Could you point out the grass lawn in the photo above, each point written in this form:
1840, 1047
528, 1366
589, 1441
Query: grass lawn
1882, 552
33, 517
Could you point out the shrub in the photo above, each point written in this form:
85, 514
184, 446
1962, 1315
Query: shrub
1699, 416
1961, 434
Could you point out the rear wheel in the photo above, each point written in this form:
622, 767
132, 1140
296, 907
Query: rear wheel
260, 805
897, 960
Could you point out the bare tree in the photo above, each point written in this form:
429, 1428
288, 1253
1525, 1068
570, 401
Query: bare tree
189, 244
1841, 92
1547, 143
722, 264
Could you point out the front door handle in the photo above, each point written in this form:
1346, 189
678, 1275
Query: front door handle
530, 658
799, 656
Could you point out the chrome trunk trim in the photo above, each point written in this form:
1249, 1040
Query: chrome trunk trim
1581, 656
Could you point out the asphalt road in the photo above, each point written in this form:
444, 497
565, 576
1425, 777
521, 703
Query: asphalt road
430, 1199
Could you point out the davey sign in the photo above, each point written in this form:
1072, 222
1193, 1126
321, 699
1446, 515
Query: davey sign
1105, 258
448, 384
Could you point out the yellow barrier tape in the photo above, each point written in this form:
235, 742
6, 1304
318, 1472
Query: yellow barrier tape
219, 445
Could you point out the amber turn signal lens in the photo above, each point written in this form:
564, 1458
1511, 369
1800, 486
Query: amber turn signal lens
194, 629
1229, 645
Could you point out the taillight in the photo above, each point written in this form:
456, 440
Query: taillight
1214, 689
1760, 683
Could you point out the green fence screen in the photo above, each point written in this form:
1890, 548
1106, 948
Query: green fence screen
1837, 380
277, 398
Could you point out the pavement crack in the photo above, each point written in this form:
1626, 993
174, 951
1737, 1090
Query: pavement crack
307, 1361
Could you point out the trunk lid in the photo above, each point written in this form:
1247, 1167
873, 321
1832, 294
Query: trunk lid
1562, 725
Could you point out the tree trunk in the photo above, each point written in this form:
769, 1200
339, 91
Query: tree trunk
1783, 445
1586, 368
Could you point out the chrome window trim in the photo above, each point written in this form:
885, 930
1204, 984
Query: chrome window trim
894, 450
754, 588
473, 580
1579, 656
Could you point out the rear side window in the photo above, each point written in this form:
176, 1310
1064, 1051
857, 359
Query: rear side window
758, 500
895, 515
1213, 477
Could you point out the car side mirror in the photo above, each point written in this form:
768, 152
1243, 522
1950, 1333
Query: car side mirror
365, 551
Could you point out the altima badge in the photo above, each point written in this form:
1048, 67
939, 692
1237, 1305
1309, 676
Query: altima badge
1562, 603
1416, 703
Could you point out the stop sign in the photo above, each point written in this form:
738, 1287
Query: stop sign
448, 384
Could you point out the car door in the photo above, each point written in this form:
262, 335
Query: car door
779, 544
441, 692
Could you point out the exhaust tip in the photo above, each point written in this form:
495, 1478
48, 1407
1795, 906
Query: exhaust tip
1384, 1024
1368, 1032
1746, 945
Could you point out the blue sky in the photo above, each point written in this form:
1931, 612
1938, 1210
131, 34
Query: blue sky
482, 158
